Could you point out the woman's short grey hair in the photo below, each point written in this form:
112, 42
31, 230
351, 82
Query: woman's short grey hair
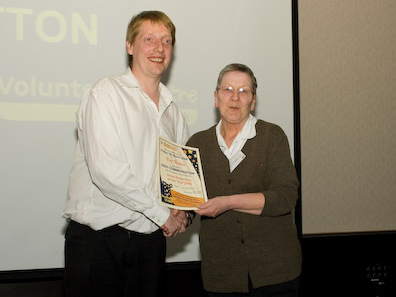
240, 68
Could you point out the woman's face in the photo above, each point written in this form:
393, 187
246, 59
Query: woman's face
234, 98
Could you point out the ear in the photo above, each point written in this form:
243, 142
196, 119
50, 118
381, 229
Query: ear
129, 48
216, 99
253, 106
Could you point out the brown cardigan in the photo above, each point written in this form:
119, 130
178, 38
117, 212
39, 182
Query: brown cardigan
236, 245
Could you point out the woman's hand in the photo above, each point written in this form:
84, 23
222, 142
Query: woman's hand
214, 207
250, 203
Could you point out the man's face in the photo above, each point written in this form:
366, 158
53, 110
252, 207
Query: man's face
151, 50
234, 98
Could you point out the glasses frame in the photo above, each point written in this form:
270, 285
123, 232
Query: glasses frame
229, 91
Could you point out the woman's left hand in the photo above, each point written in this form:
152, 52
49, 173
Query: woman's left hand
214, 207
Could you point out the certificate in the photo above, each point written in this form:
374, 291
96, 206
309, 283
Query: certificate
181, 180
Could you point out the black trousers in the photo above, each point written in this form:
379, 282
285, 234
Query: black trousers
112, 262
287, 289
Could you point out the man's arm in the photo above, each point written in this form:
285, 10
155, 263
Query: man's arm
107, 161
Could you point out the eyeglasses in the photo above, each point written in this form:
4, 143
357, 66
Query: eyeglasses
228, 91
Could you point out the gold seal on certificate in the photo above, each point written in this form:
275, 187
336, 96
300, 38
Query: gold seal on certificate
182, 183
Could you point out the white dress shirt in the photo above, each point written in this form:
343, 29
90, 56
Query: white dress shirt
234, 153
114, 179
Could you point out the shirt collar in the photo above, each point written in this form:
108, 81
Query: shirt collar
128, 80
248, 131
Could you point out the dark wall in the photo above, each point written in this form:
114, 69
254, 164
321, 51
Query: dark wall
181, 280
349, 265
357, 265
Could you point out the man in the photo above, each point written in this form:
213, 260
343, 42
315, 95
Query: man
115, 244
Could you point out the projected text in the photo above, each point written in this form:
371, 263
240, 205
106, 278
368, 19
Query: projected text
34, 87
52, 26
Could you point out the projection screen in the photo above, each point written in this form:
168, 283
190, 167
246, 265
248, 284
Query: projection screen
53, 51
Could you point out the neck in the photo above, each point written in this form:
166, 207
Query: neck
150, 85
229, 131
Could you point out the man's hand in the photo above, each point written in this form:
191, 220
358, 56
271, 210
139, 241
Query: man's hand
171, 227
176, 223
181, 218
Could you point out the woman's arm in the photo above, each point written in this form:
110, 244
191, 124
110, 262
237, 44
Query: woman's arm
251, 203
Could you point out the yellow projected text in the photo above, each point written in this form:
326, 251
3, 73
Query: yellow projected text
67, 27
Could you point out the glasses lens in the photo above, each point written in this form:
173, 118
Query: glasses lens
229, 91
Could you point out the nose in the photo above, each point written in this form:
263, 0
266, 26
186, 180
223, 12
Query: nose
159, 45
235, 95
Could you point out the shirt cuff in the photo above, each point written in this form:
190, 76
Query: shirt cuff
158, 214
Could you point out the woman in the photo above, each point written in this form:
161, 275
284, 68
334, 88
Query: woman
248, 239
